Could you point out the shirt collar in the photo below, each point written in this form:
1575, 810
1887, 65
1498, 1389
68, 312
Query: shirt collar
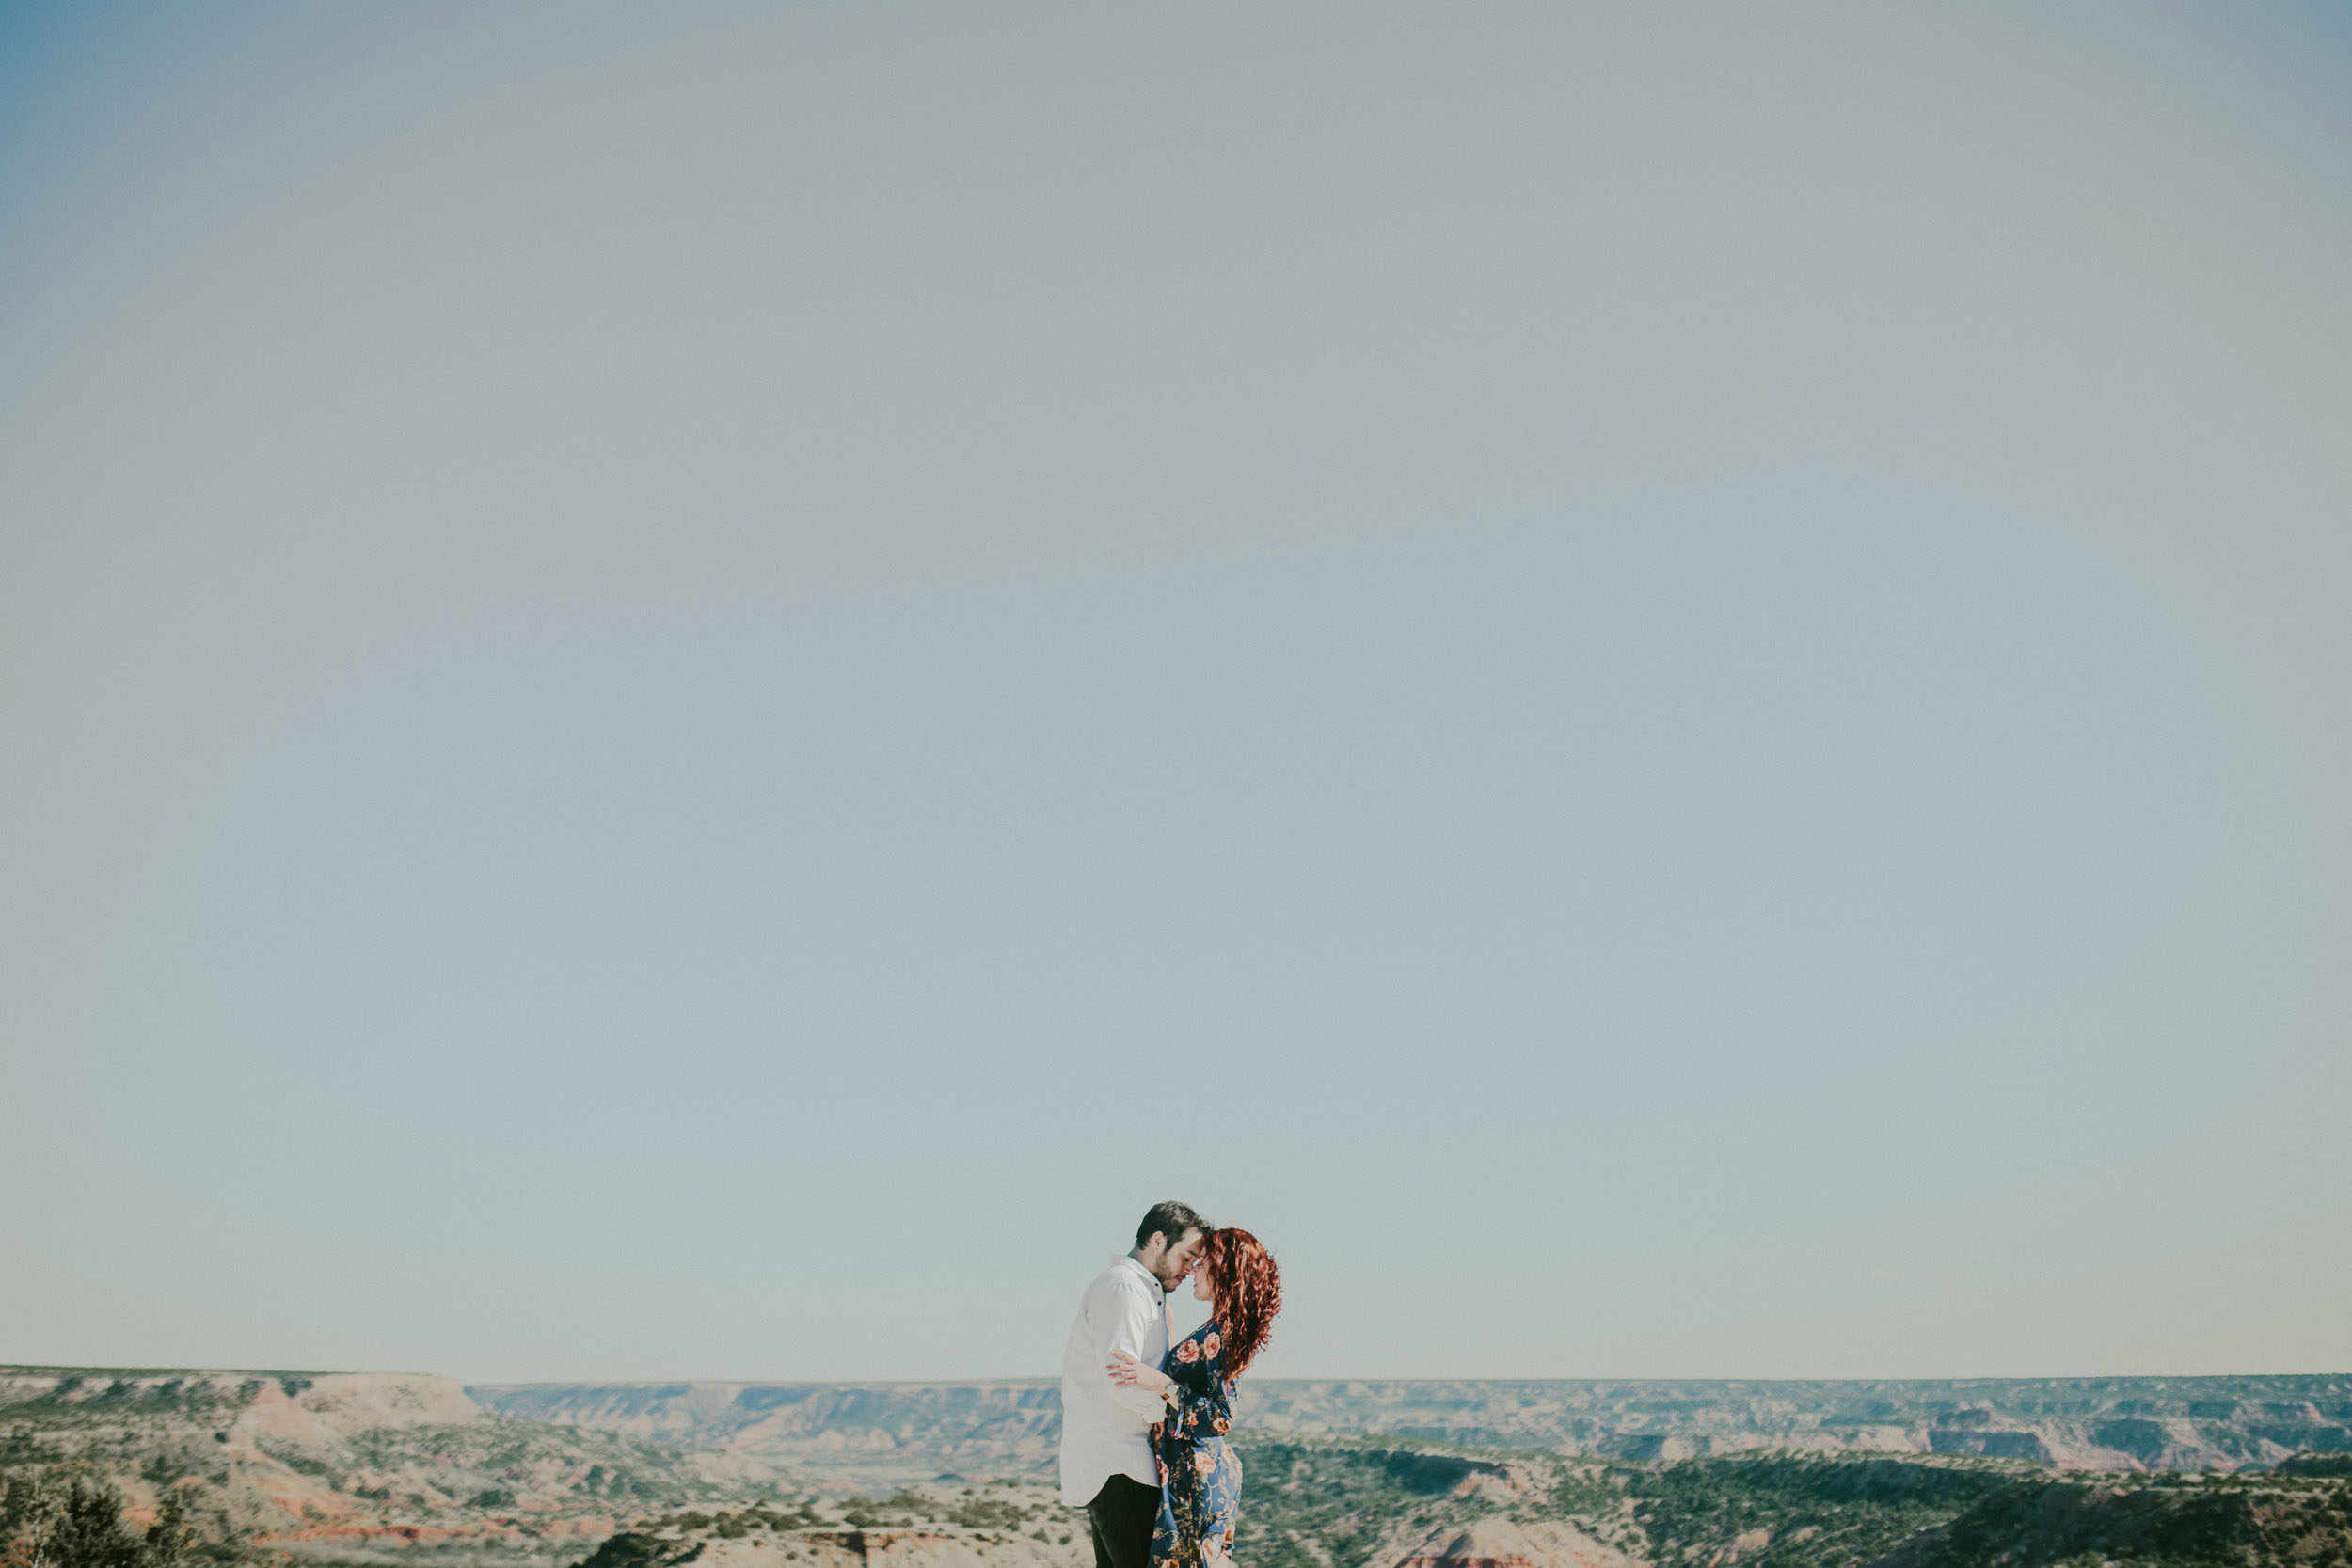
1149, 1278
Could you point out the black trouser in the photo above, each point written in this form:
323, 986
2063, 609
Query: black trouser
1122, 1515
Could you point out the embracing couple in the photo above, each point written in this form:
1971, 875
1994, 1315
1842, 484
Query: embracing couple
1143, 1422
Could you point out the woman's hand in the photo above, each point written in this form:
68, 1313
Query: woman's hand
1128, 1372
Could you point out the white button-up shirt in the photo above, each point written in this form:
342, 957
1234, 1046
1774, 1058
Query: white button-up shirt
1104, 1429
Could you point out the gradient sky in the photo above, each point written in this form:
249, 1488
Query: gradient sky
692, 692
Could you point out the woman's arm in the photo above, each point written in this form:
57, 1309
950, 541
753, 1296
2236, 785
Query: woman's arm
1202, 1406
1128, 1372
1201, 1412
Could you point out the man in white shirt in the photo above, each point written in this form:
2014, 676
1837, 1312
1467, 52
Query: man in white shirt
1108, 1466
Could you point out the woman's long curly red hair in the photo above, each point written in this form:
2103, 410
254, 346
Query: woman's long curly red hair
1244, 1292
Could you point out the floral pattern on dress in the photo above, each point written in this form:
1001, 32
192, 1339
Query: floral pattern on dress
1199, 1474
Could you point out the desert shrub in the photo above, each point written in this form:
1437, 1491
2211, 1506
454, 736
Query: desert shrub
986, 1514
629, 1549
162, 1469
82, 1527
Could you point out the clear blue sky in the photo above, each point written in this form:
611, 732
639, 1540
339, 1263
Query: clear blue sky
692, 692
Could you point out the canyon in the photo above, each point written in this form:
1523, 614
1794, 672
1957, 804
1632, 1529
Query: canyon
377, 1469
878, 1432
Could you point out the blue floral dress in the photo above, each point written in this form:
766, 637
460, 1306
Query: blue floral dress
1200, 1477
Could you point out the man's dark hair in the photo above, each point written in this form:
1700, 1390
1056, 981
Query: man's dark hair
1170, 1220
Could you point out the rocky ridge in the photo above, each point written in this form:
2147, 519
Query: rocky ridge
872, 1432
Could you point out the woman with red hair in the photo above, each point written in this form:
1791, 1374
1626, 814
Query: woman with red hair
1199, 1477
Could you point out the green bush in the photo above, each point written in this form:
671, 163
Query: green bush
631, 1550
82, 1527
